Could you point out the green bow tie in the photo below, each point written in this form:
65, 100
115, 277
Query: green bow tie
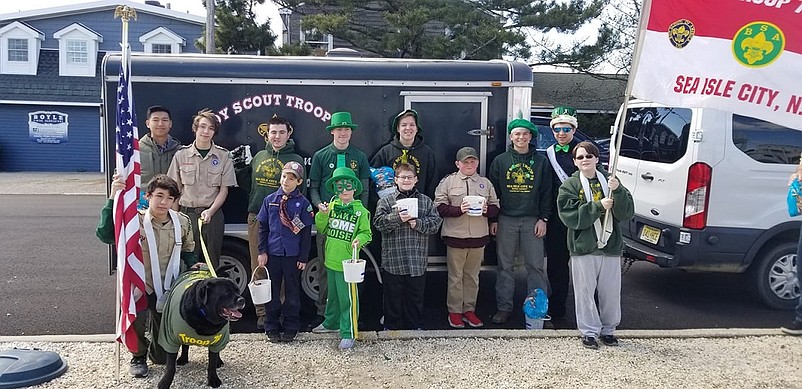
563, 148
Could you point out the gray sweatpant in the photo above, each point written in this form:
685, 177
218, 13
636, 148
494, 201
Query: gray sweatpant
516, 236
602, 274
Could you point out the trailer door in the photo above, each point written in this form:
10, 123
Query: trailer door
450, 121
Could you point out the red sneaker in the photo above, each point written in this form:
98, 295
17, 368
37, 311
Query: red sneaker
455, 320
472, 320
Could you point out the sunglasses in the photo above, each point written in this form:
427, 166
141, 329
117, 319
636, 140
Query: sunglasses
562, 129
581, 157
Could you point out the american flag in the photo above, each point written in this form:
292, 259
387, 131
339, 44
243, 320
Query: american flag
130, 267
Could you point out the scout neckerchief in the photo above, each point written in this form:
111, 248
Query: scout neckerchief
601, 235
172, 266
555, 165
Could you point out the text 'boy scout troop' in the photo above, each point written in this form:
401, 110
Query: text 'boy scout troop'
535, 206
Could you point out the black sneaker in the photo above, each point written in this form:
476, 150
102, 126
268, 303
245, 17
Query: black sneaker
609, 340
590, 342
139, 367
289, 336
274, 336
794, 329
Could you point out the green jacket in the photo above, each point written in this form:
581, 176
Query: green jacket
523, 183
325, 161
263, 175
342, 225
153, 160
174, 330
579, 215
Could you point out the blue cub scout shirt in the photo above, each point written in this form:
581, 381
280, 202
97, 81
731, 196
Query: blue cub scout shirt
281, 240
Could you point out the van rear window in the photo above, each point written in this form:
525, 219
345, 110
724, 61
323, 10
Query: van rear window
656, 134
765, 141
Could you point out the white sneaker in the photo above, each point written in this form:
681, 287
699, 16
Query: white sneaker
346, 344
323, 330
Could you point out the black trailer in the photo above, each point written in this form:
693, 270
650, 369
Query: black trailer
461, 103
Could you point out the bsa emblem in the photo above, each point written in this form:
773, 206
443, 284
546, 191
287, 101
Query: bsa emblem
758, 44
680, 33
263, 129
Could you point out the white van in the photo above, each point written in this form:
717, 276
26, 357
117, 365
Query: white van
709, 189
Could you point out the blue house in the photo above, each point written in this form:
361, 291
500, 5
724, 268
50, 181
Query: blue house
50, 84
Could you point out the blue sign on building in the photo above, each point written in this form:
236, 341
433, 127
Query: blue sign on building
48, 127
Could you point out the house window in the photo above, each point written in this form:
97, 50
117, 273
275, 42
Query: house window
161, 48
320, 43
18, 50
162, 40
77, 52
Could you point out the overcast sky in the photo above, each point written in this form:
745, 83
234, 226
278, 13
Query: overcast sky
195, 7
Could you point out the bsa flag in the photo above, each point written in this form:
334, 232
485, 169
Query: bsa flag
743, 56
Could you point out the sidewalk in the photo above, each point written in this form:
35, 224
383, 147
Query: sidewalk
52, 183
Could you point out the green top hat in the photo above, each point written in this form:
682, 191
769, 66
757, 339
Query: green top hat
522, 123
344, 173
397, 118
341, 119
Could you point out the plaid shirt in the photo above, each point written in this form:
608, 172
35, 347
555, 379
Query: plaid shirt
405, 249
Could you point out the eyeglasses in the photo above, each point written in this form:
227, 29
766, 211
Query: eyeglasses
562, 129
581, 157
405, 178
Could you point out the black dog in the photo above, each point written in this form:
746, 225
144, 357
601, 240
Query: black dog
197, 313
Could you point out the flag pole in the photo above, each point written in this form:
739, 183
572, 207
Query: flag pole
619, 133
125, 13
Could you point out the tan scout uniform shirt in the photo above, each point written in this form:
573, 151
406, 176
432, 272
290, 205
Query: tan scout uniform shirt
165, 241
200, 178
451, 190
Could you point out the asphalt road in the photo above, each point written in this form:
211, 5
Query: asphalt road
54, 280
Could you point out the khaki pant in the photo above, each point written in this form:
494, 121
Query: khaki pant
253, 247
463, 278
212, 234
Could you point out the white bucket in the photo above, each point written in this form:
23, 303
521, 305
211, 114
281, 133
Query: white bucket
535, 324
354, 271
261, 292
475, 204
410, 205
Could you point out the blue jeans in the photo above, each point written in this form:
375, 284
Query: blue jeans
516, 236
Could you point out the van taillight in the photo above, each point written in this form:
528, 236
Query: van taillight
696, 196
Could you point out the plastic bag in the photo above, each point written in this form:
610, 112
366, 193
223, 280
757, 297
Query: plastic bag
536, 304
794, 200
383, 178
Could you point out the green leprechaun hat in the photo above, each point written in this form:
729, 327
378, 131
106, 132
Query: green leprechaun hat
341, 119
344, 173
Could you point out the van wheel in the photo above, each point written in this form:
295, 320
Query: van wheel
775, 279
237, 254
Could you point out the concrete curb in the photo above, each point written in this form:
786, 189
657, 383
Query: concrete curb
373, 336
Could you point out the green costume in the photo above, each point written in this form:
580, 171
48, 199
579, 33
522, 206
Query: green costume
342, 225
174, 329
